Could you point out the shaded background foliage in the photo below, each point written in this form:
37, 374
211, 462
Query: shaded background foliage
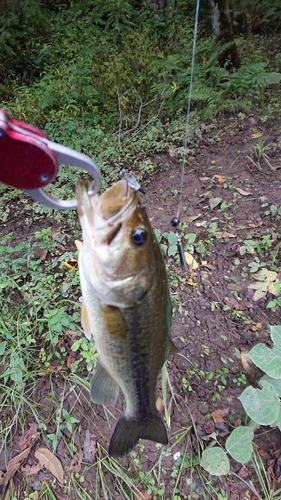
116, 65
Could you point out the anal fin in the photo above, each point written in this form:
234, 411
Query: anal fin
104, 390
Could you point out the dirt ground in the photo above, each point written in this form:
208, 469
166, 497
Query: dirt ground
215, 316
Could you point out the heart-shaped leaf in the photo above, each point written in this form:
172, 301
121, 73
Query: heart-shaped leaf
268, 360
275, 382
239, 444
263, 405
215, 461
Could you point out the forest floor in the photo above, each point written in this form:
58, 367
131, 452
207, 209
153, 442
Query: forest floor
231, 196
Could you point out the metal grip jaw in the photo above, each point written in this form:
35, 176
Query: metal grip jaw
30, 161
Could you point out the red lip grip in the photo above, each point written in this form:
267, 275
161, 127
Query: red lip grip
29, 161
26, 160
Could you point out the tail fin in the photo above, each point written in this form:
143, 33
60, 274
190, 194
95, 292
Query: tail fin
128, 432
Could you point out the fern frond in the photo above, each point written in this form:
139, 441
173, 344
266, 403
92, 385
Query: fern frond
219, 49
205, 94
265, 79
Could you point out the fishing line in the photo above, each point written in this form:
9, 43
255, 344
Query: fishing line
175, 220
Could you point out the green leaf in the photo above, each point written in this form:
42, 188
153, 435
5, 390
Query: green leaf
275, 382
268, 360
164, 248
76, 345
172, 250
172, 238
214, 202
190, 237
239, 444
2, 347
262, 406
215, 461
200, 247
275, 333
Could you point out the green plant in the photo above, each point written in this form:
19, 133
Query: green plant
64, 422
276, 302
262, 405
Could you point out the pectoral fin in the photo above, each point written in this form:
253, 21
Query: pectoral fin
114, 322
104, 390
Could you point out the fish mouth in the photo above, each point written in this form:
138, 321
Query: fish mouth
110, 207
116, 200
114, 233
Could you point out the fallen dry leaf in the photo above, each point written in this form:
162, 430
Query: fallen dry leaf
219, 178
219, 414
28, 436
56, 235
30, 470
247, 363
191, 262
72, 333
78, 244
43, 254
71, 266
191, 282
265, 279
243, 193
70, 360
256, 136
75, 464
209, 427
142, 495
49, 461
89, 449
14, 465
225, 234
256, 327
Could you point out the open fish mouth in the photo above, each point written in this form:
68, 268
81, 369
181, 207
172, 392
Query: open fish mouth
110, 205
114, 234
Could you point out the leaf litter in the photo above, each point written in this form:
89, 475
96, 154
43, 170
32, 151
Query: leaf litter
265, 284
48, 460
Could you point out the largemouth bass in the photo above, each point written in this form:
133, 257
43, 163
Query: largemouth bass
126, 308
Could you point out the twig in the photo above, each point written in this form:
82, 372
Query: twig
142, 105
120, 116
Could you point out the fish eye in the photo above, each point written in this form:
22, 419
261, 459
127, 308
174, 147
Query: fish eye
139, 236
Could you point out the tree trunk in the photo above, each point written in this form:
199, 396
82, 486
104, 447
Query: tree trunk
222, 24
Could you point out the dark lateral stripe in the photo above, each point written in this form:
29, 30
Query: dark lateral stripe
140, 366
